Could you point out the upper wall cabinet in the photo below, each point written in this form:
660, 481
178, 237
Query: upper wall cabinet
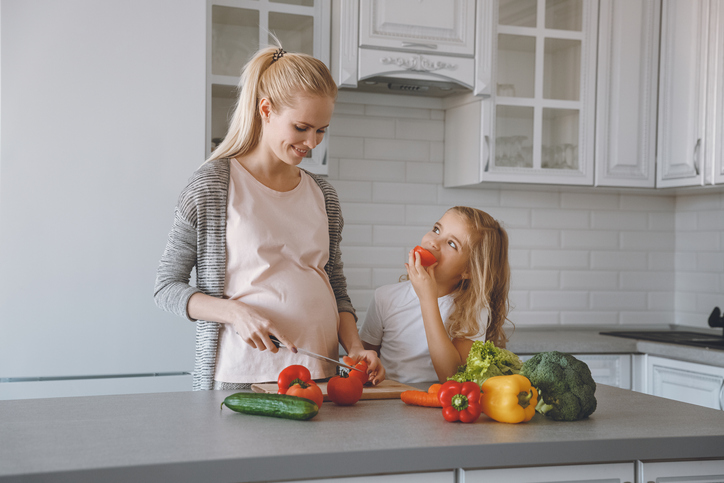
538, 124
435, 47
236, 29
575, 97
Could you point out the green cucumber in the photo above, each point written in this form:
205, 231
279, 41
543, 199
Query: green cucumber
274, 405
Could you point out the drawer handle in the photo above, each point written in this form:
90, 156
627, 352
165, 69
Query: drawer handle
721, 392
697, 151
418, 45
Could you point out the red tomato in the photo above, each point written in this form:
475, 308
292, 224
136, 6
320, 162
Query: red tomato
361, 365
426, 258
308, 390
344, 391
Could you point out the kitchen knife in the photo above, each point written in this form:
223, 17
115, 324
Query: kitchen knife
276, 342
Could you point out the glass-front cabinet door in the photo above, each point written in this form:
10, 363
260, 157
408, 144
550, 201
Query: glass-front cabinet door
541, 121
236, 29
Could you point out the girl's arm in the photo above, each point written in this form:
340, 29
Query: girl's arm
349, 338
447, 355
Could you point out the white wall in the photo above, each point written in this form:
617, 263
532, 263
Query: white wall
578, 258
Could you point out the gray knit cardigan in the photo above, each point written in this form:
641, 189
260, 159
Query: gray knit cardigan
198, 238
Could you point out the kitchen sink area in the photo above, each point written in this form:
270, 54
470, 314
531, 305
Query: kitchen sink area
692, 339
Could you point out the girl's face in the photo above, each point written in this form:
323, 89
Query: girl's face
449, 241
291, 132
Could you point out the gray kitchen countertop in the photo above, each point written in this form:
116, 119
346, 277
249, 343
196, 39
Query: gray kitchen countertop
187, 437
587, 340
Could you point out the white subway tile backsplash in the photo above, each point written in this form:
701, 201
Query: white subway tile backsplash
618, 220
355, 235
582, 258
589, 318
589, 201
529, 238
373, 213
398, 235
647, 203
649, 280
589, 280
647, 240
619, 260
619, 300
529, 199
547, 218
371, 170
363, 127
599, 239
534, 279
563, 259
423, 172
559, 300
353, 190
420, 130
411, 193
346, 147
396, 112
397, 149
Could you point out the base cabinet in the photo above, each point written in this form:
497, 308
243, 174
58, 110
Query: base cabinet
688, 382
711, 471
433, 477
604, 473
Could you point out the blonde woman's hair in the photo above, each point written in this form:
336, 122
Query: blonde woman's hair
282, 80
488, 283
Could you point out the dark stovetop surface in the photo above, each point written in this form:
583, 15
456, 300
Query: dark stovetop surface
694, 339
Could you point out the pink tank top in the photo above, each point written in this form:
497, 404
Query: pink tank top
277, 244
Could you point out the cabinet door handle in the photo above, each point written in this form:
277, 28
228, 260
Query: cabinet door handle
697, 149
721, 393
419, 45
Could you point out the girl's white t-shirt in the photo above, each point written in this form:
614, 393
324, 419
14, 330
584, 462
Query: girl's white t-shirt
394, 322
277, 244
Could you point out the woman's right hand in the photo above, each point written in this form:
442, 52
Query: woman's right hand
252, 326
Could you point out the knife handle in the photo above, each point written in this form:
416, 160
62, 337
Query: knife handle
275, 341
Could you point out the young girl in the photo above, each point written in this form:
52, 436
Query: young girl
424, 328
264, 237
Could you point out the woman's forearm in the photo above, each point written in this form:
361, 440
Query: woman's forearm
348, 334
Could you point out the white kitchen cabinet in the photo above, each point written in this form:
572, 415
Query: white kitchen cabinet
682, 148
626, 94
705, 471
433, 46
715, 91
688, 382
599, 473
610, 369
236, 29
538, 124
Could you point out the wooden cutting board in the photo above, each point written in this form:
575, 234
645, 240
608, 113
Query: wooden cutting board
387, 389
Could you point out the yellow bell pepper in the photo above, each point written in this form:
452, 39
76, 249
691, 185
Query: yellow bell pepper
509, 399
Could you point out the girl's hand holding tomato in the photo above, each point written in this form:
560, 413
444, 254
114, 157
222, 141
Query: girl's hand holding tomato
361, 365
423, 279
374, 369
426, 258
344, 390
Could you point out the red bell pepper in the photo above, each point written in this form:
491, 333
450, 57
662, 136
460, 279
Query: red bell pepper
289, 374
460, 401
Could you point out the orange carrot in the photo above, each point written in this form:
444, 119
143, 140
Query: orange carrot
421, 398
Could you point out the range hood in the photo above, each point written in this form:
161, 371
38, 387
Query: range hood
424, 48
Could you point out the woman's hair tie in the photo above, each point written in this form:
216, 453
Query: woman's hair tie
278, 55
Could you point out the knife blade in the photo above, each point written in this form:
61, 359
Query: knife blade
276, 342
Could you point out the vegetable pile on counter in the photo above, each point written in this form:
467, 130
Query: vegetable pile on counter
564, 384
486, 360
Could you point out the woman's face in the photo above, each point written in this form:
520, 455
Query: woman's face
449, 241
289, 133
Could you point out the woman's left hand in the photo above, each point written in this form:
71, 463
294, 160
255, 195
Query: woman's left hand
423, 279
374, 367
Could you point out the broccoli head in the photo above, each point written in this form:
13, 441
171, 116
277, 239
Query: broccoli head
565, 386
485, 360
